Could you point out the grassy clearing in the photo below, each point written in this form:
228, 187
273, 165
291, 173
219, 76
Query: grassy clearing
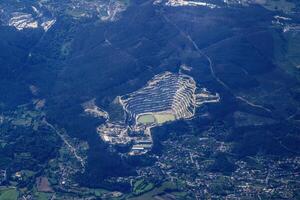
9, 194
158, 118
146, 119
162, 118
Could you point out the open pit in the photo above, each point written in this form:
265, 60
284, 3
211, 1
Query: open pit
168, 92
165, 98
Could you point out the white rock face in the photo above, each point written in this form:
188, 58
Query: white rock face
22, 20
177, 3
48, 24
189, 3
170, 92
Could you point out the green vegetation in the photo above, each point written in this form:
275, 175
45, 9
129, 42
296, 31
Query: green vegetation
126, 2
21, 122
100, 192
9, 194
142, 186
180, 195
43, 196
28, 175
115, 110
287, 52
66, 48
221, 185
162, 118
146, 119
168, 187
282, 5
293, 48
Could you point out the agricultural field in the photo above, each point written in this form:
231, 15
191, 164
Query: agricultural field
9, 194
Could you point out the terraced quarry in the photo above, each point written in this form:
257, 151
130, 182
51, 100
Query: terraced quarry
167, 94
165, 98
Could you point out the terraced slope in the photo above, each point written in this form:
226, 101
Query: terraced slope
167, 93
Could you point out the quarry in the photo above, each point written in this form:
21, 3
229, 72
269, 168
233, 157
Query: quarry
165, 98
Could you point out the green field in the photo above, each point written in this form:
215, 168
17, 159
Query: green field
9, 194
141, 186
146, 119
161, 189
159, 118
162, 118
